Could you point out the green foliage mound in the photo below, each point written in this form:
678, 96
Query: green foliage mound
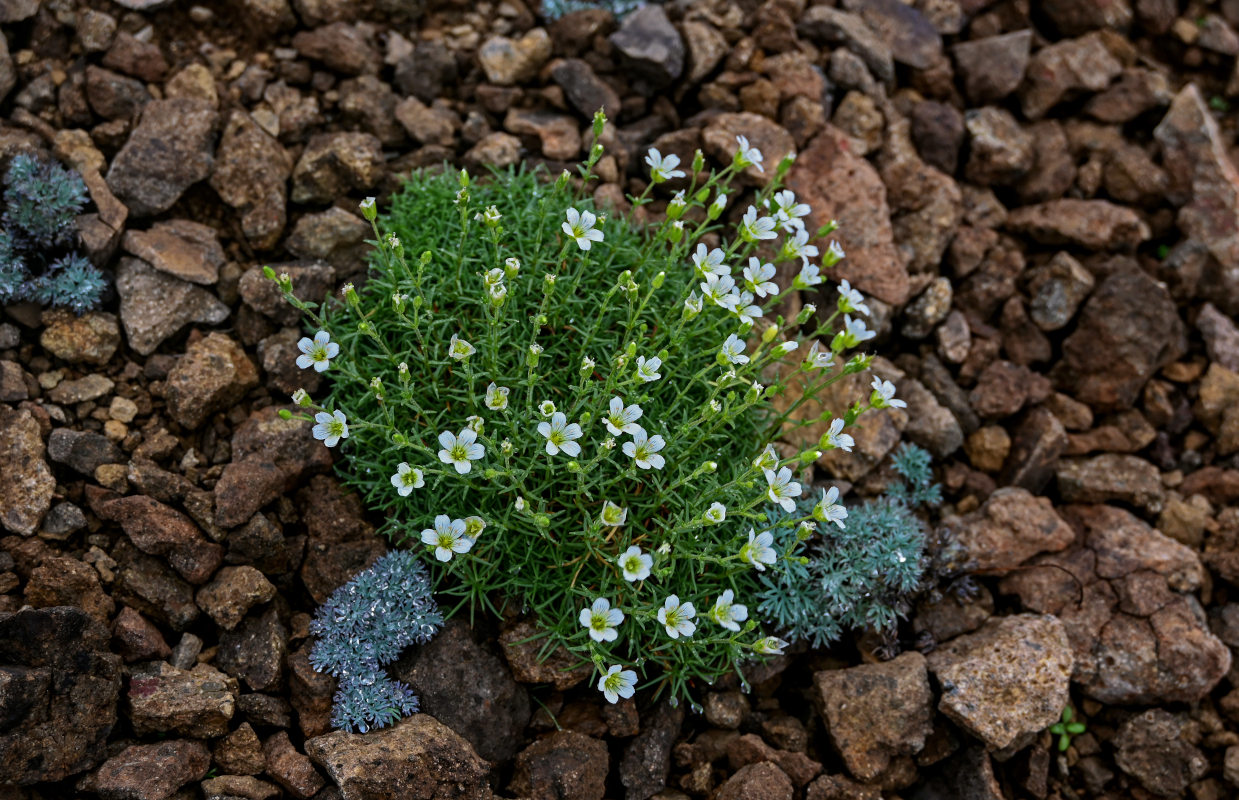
567, 413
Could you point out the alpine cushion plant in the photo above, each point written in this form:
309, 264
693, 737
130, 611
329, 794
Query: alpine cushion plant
41, 202
577, 405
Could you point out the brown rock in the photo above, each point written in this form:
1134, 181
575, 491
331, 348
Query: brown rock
1004, 388
285, 442
508, 62
521, 650
28, 485
718, 140
1155, 748
251, 173
650, 48
89, 339
1111, 477
137, 639
311, 282
214, 374
170, 149
1090, 224
150, 586
64, 581
245, 486
418, 754
154, 306
179, 247
196, 703
840, 185
564, 764
426, 124
496, 149
232, 593
255, 651
341, 543
340, 46
1138, 90
750, 749
231, 787
1011, 527
912, 38
876, 712
240, 752
291, 769
762, 781
150, 771
1066, 67
333, 164
647, 758
135, 57
558, 133
834, 26
1001, 151
1007, 682
993, 67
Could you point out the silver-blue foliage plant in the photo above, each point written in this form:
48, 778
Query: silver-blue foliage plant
861, 576
41, 202
364, 625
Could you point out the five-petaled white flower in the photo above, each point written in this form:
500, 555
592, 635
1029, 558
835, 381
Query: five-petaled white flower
407, 479
617, 683
600, 620
447, 537
497, 397
644, 450
317, 352
758, 551
770, 646
727, 613
884, 395
331, 428
715, 514
647, 368
752, 229
719, 289
710, 262
620, 419
560, 435
854, 332
768, 459
677, 617
612, 515
732, 350
828, 509
757, 277
747, 155
663, 168
459, 349
782, 489
787, 211
850, 300
634, 564
580, 226
745, 309
835, 437
797, 246
460, 450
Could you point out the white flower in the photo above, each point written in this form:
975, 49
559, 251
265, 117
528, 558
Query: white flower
718, 289
787, 211
497, 397
727, 613
854, 332
620, 420
512, 266
748, 155
393, 241
834, 254
600, 620
560, 435
810, 275
459, 349
493, 277
475, 423
460, 450
797, 246
768, 459
884, 395
366, 205
634, 564
546, 408
317, 352
752, 229
829, 510
331, 428
715, 514
837, 438
612, 515
708, 262
785, 348
580, 226
732, 350
782, 489
851, 300
720, 203
663, 168
770, 646
692, 304
407, 479
647, 369
818, 358
617, 683
758, 551
677, 618
757, 278
447, 537
301, 398
644, 451
745, 309
490, 216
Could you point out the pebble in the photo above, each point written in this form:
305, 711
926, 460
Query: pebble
508, 62
334, 164
91, 338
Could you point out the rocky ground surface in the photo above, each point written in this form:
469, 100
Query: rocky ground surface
1040, 196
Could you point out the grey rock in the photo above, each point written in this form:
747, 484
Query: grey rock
646, 762
84, 451
154, 306
650, 46
1154, 749
171, 149
311, 282
254, 652
993, 67
834, 26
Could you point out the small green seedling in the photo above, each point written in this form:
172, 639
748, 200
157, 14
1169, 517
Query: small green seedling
1066, 729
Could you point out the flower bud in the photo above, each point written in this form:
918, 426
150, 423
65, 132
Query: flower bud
398, 302
302, 398
676, 233
785, 165
767, 336
600, 122
369, 210
809, 456
587, 366
806, 313
284, 413
574, 467
542, 521
268, 273
535, 351
699, 161
659, 279
586, 417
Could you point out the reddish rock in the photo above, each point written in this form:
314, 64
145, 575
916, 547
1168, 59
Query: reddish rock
718, 140
233, 592
240, 752
1064, 68
1090, 224
750, 749
1004, 388
245, 486
341, 543
64, 581
841, 185
342, 47
1011, 527
137, 639
195, 703
150, 771
214, 374
564, 764
162, 531
762, 781
290, 768
188, 250
1112, 477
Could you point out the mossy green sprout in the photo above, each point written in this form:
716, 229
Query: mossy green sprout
1067, 728
558, 407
